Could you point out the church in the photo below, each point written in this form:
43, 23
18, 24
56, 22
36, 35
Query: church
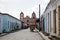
27, 21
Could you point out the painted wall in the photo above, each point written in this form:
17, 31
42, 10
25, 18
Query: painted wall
1, 23
8, 23
49, 20
43, 23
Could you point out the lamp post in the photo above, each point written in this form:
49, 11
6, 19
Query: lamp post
39, 18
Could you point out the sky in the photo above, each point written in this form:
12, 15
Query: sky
15, 7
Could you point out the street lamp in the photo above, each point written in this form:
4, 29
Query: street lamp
39, 17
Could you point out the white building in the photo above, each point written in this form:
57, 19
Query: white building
52, 17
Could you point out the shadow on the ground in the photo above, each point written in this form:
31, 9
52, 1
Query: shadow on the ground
3, 34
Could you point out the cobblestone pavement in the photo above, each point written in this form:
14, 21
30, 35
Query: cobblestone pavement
22, 35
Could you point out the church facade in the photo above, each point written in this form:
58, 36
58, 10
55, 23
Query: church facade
27, 21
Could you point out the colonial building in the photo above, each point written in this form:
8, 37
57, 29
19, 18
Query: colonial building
9, 23
27, 21
52, 17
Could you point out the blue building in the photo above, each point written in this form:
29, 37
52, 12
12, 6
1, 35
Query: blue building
43, 23
9, 23
1, 23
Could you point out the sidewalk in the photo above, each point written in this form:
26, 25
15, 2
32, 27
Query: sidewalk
42, 35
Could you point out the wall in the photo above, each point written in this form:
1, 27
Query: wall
1, 23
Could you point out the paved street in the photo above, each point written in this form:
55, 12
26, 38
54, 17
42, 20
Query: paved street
22, 35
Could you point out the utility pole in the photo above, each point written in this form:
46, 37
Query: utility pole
39, 18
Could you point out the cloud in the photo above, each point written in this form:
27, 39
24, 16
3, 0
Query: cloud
30, 11
4, 0
14, 7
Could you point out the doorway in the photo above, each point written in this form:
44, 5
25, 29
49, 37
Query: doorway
59, 19
54, 20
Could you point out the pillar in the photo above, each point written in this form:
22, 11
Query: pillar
58, 20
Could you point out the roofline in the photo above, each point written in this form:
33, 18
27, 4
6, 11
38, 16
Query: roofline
47, 6
9, 15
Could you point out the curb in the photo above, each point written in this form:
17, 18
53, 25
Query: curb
43, 36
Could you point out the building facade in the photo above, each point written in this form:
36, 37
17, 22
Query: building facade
52, 17
1, 23
9, 23
27, 21
43, 23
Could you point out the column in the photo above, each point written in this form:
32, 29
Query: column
58, 20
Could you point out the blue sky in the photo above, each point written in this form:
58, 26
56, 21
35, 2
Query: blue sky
14, 7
